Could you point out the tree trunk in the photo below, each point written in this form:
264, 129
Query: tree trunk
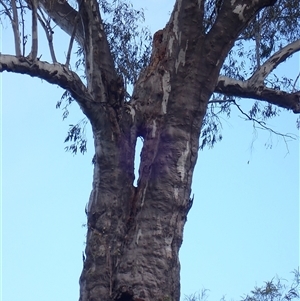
134, 233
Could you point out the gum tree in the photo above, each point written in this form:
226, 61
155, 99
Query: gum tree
199, 64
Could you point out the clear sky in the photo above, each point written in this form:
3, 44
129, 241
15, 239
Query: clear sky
242, 230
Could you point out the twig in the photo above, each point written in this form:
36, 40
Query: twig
7, 11
262, 124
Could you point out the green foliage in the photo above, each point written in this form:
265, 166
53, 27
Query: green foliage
298, 123
199, 296
130, 43
276, 290
67, 100
77, 137
211, 127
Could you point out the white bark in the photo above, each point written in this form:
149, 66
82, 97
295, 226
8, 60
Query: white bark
53, 73
258, 78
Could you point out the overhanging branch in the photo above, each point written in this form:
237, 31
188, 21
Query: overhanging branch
53, 73
244, 89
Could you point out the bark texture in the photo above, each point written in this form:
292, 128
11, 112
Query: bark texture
135, 232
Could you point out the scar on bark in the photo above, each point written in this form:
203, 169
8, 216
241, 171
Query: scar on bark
158, 50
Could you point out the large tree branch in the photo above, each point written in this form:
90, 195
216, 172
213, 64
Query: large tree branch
255, 88
233, 17
53, 73
277, 58
245, 89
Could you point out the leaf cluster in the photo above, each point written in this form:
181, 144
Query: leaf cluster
273, 290
77, 137
130, 42
276, 290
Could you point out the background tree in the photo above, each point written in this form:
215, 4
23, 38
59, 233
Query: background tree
275, 289
210, 134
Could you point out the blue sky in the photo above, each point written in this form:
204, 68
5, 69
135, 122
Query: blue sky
243, 228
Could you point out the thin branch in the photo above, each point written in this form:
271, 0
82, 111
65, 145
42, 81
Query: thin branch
294, 89
68, 58
49, 33
24, 37
72, 38
220, 100
64, 16
261, 123
15, 26
7, 11
34, 45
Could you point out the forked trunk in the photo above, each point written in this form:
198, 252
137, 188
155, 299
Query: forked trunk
134, 233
